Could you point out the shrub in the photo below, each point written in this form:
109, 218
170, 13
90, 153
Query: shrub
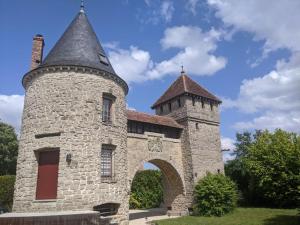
7, 183
215, 195
146, 190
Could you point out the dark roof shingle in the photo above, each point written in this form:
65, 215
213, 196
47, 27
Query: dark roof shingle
182, 85
153, 119
78, 46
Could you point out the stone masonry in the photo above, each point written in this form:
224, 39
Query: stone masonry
63, 111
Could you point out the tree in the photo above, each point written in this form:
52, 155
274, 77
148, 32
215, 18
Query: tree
215, 195
8, 149
236, 169
273, 162
146, 189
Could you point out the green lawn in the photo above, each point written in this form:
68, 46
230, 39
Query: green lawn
242, 216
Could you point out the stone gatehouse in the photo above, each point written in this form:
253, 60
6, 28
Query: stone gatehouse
80, 147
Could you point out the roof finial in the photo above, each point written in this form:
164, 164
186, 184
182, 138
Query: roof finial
82, 7
182, 71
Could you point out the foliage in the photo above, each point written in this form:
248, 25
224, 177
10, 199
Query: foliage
241, 216
7, 183
236, 169
273, 162
215, 195
8, 150
146, 190
266, 168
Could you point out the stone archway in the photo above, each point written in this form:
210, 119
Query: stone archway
173, 188
165, 153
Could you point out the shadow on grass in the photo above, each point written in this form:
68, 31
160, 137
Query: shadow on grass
283, 220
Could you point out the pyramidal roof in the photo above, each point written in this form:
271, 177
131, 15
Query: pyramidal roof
79, 46
183, 85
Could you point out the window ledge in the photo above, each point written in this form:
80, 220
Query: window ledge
109, 123
44, 200
108, 180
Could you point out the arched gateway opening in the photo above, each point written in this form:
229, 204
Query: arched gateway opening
173, 189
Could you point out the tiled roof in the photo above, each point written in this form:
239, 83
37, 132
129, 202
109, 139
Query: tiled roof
153, 119
182, 85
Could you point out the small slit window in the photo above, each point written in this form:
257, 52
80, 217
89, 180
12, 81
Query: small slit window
202, 103
170, 106
106, 110
194, 101
197, 126
211, 106
103, 59
161, 109
179, 103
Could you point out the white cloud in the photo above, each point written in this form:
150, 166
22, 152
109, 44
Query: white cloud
275, 22
131, 64
191, 5
275, 96
11, 107
167, 10
129, 107
272, 120
156, 11
195, 52
227, 144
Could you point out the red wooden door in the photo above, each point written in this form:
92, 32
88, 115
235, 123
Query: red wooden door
47, 175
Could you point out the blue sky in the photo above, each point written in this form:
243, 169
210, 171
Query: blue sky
245, 52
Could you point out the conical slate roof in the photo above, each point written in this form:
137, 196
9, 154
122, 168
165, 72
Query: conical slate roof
182, 85
79, 46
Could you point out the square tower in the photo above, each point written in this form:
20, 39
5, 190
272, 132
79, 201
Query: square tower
197, 110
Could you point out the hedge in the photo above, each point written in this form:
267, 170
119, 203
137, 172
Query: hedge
7, 183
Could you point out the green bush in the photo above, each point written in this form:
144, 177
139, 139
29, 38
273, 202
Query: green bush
215, 195
146, 190
7, 183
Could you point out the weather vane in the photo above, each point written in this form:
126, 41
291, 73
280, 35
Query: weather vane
82, 6
182, 71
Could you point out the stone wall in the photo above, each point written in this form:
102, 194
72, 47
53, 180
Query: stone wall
70, 103
200, 138
166, 154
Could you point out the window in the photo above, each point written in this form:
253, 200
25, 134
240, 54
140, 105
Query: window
202, 103
179, 102
194, 101
103, 59
106, 110
161, 109
170, 107
106, 162
197, 126
211, 106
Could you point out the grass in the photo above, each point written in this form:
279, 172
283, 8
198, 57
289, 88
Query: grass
241, 216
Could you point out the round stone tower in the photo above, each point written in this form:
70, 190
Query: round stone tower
72, 149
